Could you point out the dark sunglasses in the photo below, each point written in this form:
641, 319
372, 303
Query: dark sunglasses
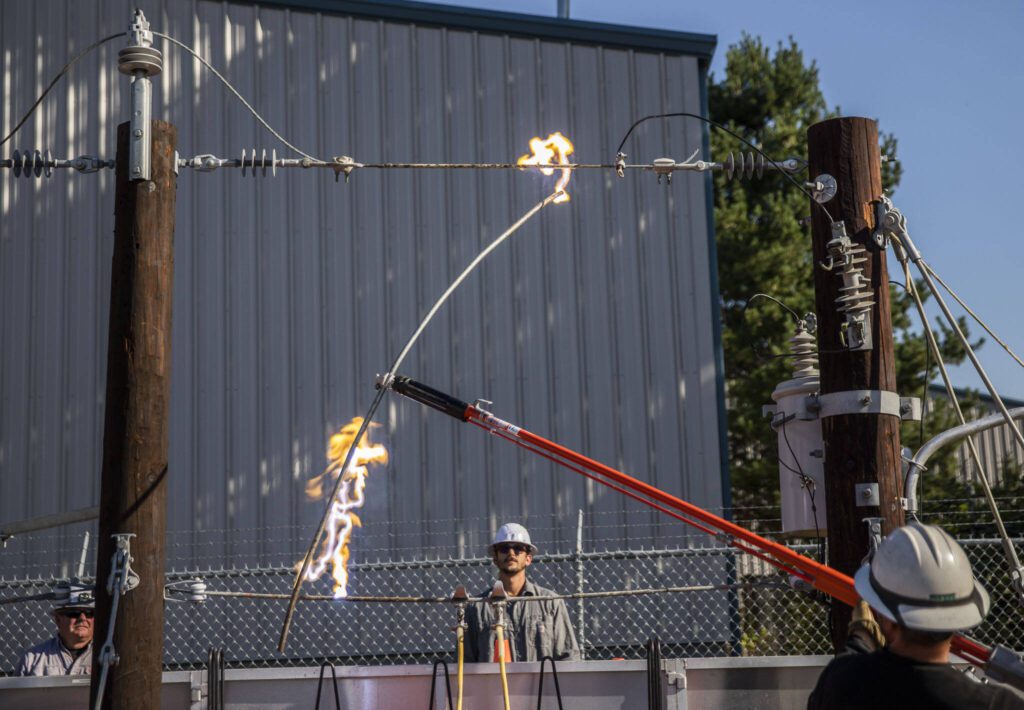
75, 613
507, 548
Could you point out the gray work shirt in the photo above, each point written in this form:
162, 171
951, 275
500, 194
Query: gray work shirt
534, 629
54, 658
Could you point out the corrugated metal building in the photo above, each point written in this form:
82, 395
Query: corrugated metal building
596, 325
998, 449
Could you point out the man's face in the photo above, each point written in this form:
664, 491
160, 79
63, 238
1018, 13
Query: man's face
512, 557
74, 627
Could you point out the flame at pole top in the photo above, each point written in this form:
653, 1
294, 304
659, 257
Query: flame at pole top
351, 494
553, 150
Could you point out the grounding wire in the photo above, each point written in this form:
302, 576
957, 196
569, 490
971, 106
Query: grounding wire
1012, 560
53, 82
233, 91
974, 315
720, 127
384, 385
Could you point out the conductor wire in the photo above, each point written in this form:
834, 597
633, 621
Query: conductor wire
719, 126
233, 91
53, 82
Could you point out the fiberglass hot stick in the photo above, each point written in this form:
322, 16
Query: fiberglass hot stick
821, 577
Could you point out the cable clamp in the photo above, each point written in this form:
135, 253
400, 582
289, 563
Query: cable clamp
344, 164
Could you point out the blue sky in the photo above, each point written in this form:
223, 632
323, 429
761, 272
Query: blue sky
947, 78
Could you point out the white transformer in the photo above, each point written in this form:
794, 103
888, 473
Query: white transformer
801, 451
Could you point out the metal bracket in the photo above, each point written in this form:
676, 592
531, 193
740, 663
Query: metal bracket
874, 532
835, 404
140, 142
1006, 666
677, 679
866, 495
889, 222
823, 188
343, 164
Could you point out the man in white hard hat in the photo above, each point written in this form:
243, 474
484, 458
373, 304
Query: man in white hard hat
70, 651
534, 629
920, 586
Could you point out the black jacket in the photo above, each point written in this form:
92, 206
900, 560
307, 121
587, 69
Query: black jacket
879, 680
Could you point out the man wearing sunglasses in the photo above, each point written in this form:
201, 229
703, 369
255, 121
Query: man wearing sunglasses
70, 651
535, 629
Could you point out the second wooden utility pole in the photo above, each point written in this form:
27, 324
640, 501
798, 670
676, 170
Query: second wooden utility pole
861, 427
133, 494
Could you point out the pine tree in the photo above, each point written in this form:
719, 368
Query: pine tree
764, 246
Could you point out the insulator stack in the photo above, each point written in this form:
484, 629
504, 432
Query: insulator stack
253, 163
745, 165
805, 357
32, 163
139, 58
857, 295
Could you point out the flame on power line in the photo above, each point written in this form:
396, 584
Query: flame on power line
342, 520
553, 150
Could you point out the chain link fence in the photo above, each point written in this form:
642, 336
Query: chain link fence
733, 604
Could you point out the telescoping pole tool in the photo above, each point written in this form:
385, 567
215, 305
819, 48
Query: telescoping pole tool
499, 601
823, 578
460, 599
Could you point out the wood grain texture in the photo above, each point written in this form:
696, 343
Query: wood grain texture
133, 496
859, 448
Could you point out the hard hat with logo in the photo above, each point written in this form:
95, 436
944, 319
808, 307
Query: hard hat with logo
513, 533
77, 598
920, 578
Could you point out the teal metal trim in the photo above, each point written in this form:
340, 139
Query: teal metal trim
532, 26
716, 321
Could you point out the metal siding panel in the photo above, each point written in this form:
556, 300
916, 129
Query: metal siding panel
628, 307
85, 220
661, 331
307, 410
274, 294
243, 220
598, 327
434, 244
191, 240
338, 240
561, 317
372, 299
529, 295
464, 141
704, 450
205, 236
48, 282
497, 212
404, 483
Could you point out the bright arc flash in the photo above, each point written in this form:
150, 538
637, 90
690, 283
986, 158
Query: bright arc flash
351, 495
553, 150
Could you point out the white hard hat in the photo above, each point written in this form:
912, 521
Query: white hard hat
512, 532
920, 578
78, 597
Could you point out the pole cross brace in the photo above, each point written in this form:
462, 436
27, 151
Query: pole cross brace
835, 404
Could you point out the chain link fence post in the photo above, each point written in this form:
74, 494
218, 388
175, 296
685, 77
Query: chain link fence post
580, 613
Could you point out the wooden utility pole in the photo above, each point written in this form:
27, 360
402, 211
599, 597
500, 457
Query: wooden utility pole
133, 496
862, 447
